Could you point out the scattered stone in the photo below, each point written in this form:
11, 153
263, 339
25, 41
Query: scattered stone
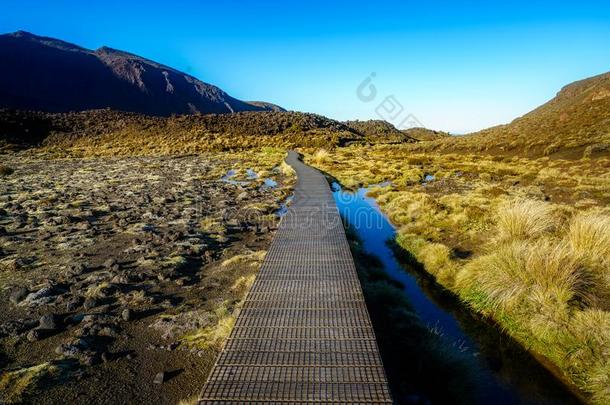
16, 327
18, 295
73, 304
76, 269
40, 297
127, 314
105, 357
109, 263
90, 303
47, 322
159, 378
89, 360
34, 335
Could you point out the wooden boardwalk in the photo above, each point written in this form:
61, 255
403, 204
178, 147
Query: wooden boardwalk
304, 334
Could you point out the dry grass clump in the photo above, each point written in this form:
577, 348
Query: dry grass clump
522, 219
321, 156
14, 385
523, 241
287, 170
224, 315
212, 226
194, 400
250, 258
590, 236
544, 284
543, 274
213, 337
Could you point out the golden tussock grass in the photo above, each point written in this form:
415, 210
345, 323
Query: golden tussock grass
321, 156
521, 219
523, 241
14, 385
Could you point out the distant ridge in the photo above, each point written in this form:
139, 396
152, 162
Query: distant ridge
48, 74
379, 131
574, 124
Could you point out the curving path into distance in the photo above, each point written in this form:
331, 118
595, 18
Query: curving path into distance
304, 334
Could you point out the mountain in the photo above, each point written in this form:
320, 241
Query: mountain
379, 131
572, 125
47, 74
266, 106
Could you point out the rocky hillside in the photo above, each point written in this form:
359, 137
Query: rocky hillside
47, 74
574, 124
424, 134
379, 131
107, 131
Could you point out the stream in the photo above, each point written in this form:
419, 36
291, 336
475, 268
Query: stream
506, 373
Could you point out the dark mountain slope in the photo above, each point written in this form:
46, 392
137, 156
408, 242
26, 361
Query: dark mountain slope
46, 74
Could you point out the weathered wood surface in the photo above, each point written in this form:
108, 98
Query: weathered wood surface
304, 334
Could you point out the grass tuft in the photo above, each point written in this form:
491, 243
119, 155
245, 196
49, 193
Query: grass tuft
14, 385
522, 219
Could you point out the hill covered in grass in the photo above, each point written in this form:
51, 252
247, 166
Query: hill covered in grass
47, 74
574, 124
379, 131
425, 134
104, 132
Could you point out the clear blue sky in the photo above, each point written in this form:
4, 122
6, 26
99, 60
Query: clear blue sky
456, 66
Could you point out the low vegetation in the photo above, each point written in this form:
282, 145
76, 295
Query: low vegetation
15, 384
424, 134
523, 241
6, 171
137, 262
379, 131
112, 133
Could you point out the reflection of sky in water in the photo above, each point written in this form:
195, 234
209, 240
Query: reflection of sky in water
284, 206
270, 183
428, 178
251, 174
374, 230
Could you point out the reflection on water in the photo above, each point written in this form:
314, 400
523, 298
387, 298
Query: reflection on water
508, 374
251, 175
284, 206
269, 183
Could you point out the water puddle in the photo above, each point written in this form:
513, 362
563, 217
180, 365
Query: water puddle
507, 374
283, 210
269, 183
428, 178
228, 178
251, 175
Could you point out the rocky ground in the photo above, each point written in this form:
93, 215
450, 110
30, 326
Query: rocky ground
120, 278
